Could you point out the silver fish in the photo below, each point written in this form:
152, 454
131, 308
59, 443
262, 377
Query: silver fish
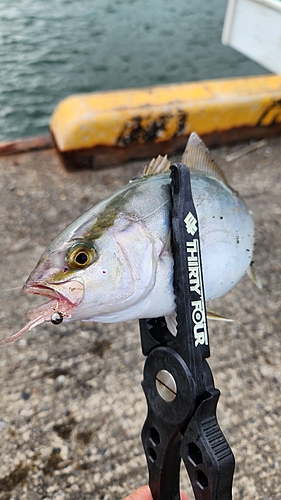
115, 262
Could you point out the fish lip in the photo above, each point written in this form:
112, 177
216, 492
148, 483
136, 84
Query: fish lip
40, 289
45, 290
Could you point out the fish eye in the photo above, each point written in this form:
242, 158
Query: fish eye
80, 255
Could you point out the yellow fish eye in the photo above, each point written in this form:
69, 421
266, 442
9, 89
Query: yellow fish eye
80, 255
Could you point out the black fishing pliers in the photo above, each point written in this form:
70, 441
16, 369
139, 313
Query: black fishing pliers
181, 422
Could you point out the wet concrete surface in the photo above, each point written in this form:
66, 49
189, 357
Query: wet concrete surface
71, 404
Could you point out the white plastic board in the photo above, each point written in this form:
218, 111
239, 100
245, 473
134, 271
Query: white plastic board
253, 27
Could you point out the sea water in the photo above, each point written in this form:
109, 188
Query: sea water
55, 48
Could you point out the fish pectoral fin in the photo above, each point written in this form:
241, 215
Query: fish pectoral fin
167, 247
197, 157
254, 277
215, 316
171, 321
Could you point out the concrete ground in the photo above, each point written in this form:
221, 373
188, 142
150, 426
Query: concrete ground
71, 405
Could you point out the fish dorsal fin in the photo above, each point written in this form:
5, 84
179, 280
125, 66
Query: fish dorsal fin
197, 157
157, 165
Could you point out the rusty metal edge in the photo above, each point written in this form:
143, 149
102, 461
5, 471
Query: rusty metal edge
105, 156
26, 144
102, 156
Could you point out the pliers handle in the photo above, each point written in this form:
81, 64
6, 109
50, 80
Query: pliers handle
181, 421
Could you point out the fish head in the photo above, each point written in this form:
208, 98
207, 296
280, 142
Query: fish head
97, 269
55, 279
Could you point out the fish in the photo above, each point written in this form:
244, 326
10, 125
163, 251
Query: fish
115, 262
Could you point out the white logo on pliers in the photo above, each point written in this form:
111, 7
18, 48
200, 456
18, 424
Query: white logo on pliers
191, 224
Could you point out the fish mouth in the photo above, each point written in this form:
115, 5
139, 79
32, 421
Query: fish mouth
72, 290
65, 296
44, 290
